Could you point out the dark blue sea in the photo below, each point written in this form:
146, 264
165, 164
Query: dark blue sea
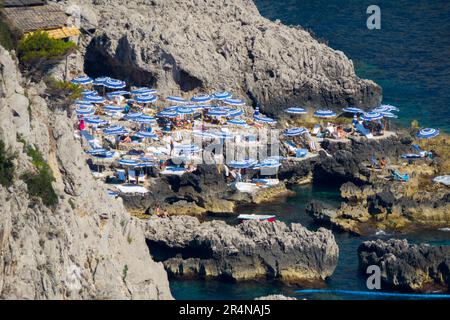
410, 58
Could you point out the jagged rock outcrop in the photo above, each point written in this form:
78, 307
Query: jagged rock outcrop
349, 160
203, 45
85, 247
247, 251
406, 266
383, 205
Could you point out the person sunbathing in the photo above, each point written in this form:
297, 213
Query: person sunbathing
127, 139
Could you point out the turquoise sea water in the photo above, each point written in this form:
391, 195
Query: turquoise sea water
345, 277
410, 58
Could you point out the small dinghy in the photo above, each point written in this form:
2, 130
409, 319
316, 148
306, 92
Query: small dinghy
257, 217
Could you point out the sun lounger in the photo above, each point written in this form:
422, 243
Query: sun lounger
410, 156
121, 175
132, 175
443, 179
173, 171
132, 188
246, 187
363, 131
301, 153
142, 176
316, 130
400, 177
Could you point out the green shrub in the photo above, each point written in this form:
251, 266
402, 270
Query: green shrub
38, 49
40, 183
6, 38
63, 89
6, 166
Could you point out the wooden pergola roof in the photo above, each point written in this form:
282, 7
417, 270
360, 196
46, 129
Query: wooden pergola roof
29, 19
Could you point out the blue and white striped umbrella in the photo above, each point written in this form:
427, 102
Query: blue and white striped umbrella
83, 103
112, 108
243, 164
371, 116
353, 110
115, 130
146, 98
133, 115
389, 115
95, 121
386, 108
83, 111
218, 112
128, 162
147, 135
82, 80
143, 165
195, 107
100, 81
114, 83
145, 119
237, 122
143, 91
428, 133
167, 114
295, 132
177, 100
264, 119
119, 93
184, 110
234, 102
325, 114
296, 110
201, 98
235, 113
87, 92
94, 98
222, 95
97, 152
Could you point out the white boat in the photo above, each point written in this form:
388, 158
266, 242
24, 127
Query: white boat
258, 217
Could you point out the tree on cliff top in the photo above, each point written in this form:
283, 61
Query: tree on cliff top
38, 51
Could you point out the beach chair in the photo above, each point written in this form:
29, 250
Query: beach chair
121, 175
301, 153
316, 130
400, 177
142, 177
290, 146
132, 176
363, 131
374, 162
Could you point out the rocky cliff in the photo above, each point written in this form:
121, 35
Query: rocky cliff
84, 247
250, 250
186, 46
408, 266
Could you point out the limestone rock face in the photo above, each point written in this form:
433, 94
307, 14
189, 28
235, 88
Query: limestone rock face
87, 246
247, 251
408, 266
184, 46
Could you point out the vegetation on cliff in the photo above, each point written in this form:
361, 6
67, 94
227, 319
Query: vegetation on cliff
6, 166
40, 182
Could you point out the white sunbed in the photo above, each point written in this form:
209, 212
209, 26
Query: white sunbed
132, 188
132, 175
173, 171
246, 187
